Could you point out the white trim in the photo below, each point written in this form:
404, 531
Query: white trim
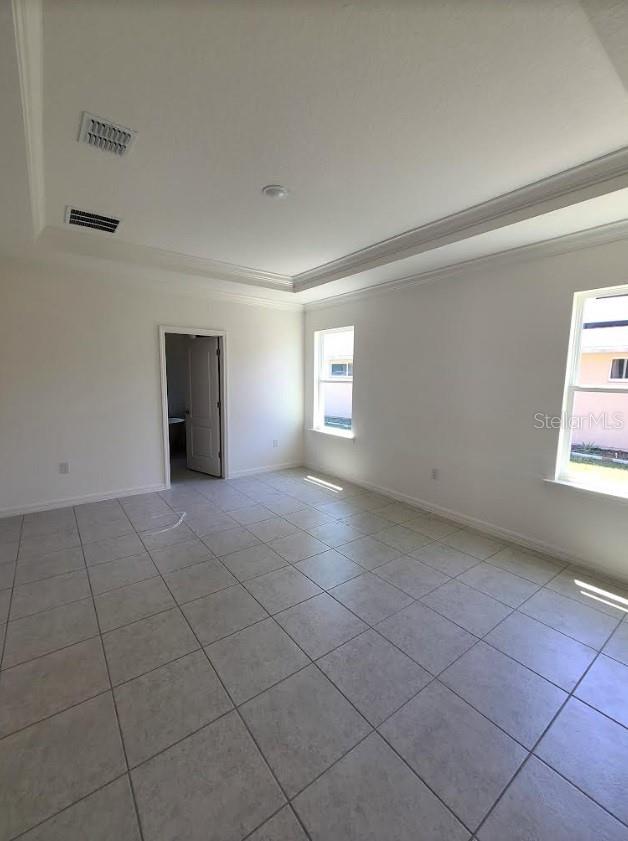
623, 379
594, 178
334, 432
600, 176
344, 329
46, 254
224, 394
65, 502
571, 386
77, 245
571, 376
533, 544
603, 389
269, 468
318, 424
82, 243
28, 28
604, 349
566, 482
566, 244
85, 253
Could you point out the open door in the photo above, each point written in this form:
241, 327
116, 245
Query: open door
202, 417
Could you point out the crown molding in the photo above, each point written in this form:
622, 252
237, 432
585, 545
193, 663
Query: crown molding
588, 238
88, 243
28, 28
144, 277
595, 178
89, 246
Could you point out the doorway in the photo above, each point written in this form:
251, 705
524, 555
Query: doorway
193, 401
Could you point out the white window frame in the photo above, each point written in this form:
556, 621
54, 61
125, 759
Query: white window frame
572, 387
318, 419
341, 377
612, 379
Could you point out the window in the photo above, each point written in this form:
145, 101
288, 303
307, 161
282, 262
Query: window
333, 381
341, 369
619, 369
593, 441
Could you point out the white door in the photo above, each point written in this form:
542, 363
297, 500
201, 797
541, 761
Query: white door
202, 416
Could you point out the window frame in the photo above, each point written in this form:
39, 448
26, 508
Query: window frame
341, 377
613, 379
318, 421
572, 387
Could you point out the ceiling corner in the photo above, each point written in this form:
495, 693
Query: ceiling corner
28, 28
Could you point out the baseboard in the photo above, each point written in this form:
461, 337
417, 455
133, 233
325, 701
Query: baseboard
490, 529
101, 497
65, 502
270, 468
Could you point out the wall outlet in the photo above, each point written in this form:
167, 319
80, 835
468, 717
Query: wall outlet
275, 444
435, 473
64, 467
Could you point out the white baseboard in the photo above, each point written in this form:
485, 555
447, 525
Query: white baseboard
490, 529
65, 502
270, 468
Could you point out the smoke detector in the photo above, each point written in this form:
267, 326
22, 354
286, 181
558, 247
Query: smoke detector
275, 191
87, 219
104, 134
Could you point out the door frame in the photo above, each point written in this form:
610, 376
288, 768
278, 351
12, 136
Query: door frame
224, 391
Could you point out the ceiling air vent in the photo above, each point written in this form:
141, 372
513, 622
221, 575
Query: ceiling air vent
105, 135
85, 219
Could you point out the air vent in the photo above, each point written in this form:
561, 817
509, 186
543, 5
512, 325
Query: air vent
85, 219
105, 135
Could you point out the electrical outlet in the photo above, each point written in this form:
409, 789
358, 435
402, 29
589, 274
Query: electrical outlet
435, 473
64, 467
275, 444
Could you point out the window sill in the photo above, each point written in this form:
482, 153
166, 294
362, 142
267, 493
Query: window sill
597, 490
335, 433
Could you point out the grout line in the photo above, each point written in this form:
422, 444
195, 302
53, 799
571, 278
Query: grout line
54, 575
113, 700
359, 633
65, 709
372, 729
529, 751
369, 626
230, 697
176, 742
25, 832
269, 818
81, 598
433, 677
138, 554
424, 782
364, 571
532, 750
6, 626
528, 598
54, 650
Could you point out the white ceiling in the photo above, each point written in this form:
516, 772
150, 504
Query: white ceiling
555, 227
380, 117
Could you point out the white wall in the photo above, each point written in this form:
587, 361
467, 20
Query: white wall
450, 375
79, 381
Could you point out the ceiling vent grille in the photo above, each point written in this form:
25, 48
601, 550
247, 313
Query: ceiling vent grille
85, 219
105, 135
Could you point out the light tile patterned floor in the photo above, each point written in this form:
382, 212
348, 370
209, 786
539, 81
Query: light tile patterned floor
273, 659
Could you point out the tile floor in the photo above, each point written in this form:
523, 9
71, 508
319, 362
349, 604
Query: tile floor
274, 659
